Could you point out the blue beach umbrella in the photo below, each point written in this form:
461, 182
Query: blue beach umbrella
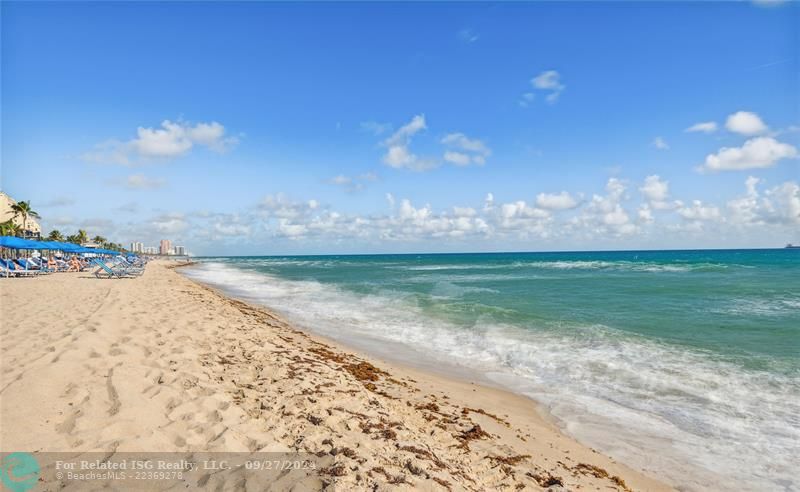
12, 242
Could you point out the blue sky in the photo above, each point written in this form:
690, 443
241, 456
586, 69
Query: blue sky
246, 128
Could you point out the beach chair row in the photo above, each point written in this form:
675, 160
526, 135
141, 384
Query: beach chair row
120, 267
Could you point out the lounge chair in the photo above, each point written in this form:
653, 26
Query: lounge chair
16, 270
41, 265
30, 265
105, 271
128, 264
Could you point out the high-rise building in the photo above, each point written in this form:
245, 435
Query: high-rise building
180, 250
166, 245
137, 247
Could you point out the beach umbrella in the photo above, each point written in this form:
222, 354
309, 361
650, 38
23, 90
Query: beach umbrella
12, 242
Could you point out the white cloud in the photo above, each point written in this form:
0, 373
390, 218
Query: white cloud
610, 216
698, 211
660, 143
281, 207
783, 203
457, 158
745, 123
757, 152
398, 154
170, 223
645, 214
704, 127
556, 201
142, 182
170, 140
779, 205
467, 151
549, 80
604, 214
656, 191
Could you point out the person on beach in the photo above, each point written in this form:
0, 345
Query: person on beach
74, 265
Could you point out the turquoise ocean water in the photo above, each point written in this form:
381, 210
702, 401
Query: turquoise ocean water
682, 363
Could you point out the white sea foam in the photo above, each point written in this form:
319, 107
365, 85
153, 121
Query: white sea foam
767, 307
628, 266
699, 422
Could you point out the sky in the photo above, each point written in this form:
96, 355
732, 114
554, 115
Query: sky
312, 128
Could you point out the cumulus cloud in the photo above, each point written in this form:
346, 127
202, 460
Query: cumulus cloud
169, 141
761, 210
703, 127
660, 143
170, 223
550, 81
745, 123
282, 207
756, 153
605, 214
656, 192
398, 154
463, 151
556, 201
698, 211
779, 205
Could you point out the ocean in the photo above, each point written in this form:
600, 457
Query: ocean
685, 364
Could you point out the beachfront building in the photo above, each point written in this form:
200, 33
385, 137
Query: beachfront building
165, 247
137, 247
30, 227
180, 251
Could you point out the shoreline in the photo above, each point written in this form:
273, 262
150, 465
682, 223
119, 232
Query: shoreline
436, 376
451, 373
218, 374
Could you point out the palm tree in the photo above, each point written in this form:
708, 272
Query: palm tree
82, 236
9, 228
73, 238
100, 241
23, 208
55, 235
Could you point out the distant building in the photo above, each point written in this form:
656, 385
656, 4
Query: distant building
30, 227
180, 251
150, 250
165, 247
137, 247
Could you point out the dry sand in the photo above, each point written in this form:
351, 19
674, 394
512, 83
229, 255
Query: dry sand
160, 363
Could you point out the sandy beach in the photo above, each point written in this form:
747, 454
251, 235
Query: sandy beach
161, 363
